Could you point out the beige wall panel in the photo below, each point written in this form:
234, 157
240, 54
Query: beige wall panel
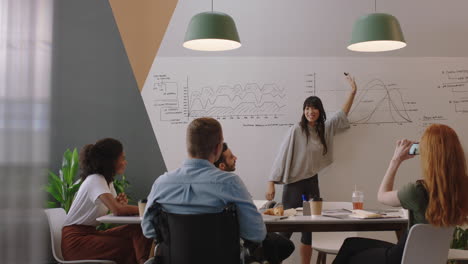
142, 25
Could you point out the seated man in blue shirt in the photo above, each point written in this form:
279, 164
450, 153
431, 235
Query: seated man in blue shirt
275, 247
198, 187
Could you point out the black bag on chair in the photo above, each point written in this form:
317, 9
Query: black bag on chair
197, 238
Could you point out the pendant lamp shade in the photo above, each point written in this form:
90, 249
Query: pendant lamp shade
212, 31
376, 32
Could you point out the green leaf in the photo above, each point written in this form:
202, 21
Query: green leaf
74, 188
71, 168
66, 158
105, 226
61, 175
66, 165
63, 187
54, 194
460, 238
78, 181
74, 166
119, 189
55, 183
50, 204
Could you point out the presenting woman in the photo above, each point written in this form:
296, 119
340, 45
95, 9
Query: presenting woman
307, 149
438, 199
80, 239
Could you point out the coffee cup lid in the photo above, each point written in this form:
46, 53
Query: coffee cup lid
143, 200
317, 199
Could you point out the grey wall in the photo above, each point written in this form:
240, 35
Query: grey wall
94, 92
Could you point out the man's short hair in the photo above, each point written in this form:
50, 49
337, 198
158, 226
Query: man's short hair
203, 134
221, 157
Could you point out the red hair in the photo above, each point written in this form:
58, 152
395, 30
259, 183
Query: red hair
445, 176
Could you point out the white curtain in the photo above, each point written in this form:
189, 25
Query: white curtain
25, 76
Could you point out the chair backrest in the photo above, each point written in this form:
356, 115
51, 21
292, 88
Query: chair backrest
199, 238
56, 218
427, 244
337, 205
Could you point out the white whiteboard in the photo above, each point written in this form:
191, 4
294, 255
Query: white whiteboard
257, 99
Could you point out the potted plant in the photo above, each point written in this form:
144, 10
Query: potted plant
460, 241
63, 187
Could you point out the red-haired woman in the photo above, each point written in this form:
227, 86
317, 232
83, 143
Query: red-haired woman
438, 199
100, 162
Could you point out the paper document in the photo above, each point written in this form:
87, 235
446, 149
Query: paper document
363, 214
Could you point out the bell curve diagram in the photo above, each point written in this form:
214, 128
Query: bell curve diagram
378, 102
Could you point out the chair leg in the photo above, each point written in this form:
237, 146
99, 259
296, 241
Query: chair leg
321, 257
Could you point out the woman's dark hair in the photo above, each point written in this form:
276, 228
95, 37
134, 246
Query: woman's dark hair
315, 102
101, 158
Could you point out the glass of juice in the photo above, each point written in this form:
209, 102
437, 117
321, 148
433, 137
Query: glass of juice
358, 200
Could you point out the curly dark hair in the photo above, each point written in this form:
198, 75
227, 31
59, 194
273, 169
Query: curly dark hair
315, 102
101, 158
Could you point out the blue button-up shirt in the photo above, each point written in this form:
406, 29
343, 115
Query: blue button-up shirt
199, 187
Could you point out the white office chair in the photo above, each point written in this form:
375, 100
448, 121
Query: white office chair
427, 244
56, 218
330, 242
458, 254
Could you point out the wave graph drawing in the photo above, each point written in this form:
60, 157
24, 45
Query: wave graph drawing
238, 100
379, 103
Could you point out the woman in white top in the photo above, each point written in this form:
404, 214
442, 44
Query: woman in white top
307, 148
100, 162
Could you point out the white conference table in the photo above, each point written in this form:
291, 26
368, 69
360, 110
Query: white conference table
301, 223
322, 223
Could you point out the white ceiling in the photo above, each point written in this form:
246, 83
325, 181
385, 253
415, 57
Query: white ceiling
432, 28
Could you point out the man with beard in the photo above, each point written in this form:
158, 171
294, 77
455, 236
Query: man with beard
227, 160
275, 247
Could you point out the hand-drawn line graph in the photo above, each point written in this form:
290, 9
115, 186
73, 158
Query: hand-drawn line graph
238, 100
379, 103
310, 83
166, 93
169, 99
458, 85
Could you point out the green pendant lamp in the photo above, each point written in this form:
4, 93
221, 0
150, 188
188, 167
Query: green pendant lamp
375, 33
212, 31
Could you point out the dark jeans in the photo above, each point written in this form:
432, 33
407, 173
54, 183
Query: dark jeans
365, 250
275, 248
292, 198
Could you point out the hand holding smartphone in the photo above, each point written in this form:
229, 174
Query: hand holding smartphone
414, 150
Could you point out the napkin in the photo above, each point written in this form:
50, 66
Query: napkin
365, 214
290, 212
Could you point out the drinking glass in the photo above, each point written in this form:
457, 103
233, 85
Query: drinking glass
358, 200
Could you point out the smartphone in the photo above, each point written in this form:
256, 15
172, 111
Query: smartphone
414, 150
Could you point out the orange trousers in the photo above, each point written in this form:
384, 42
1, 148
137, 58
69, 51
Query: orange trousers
123, 244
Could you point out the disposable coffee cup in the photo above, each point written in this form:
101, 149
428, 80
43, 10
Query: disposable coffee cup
142, 206
316, 206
